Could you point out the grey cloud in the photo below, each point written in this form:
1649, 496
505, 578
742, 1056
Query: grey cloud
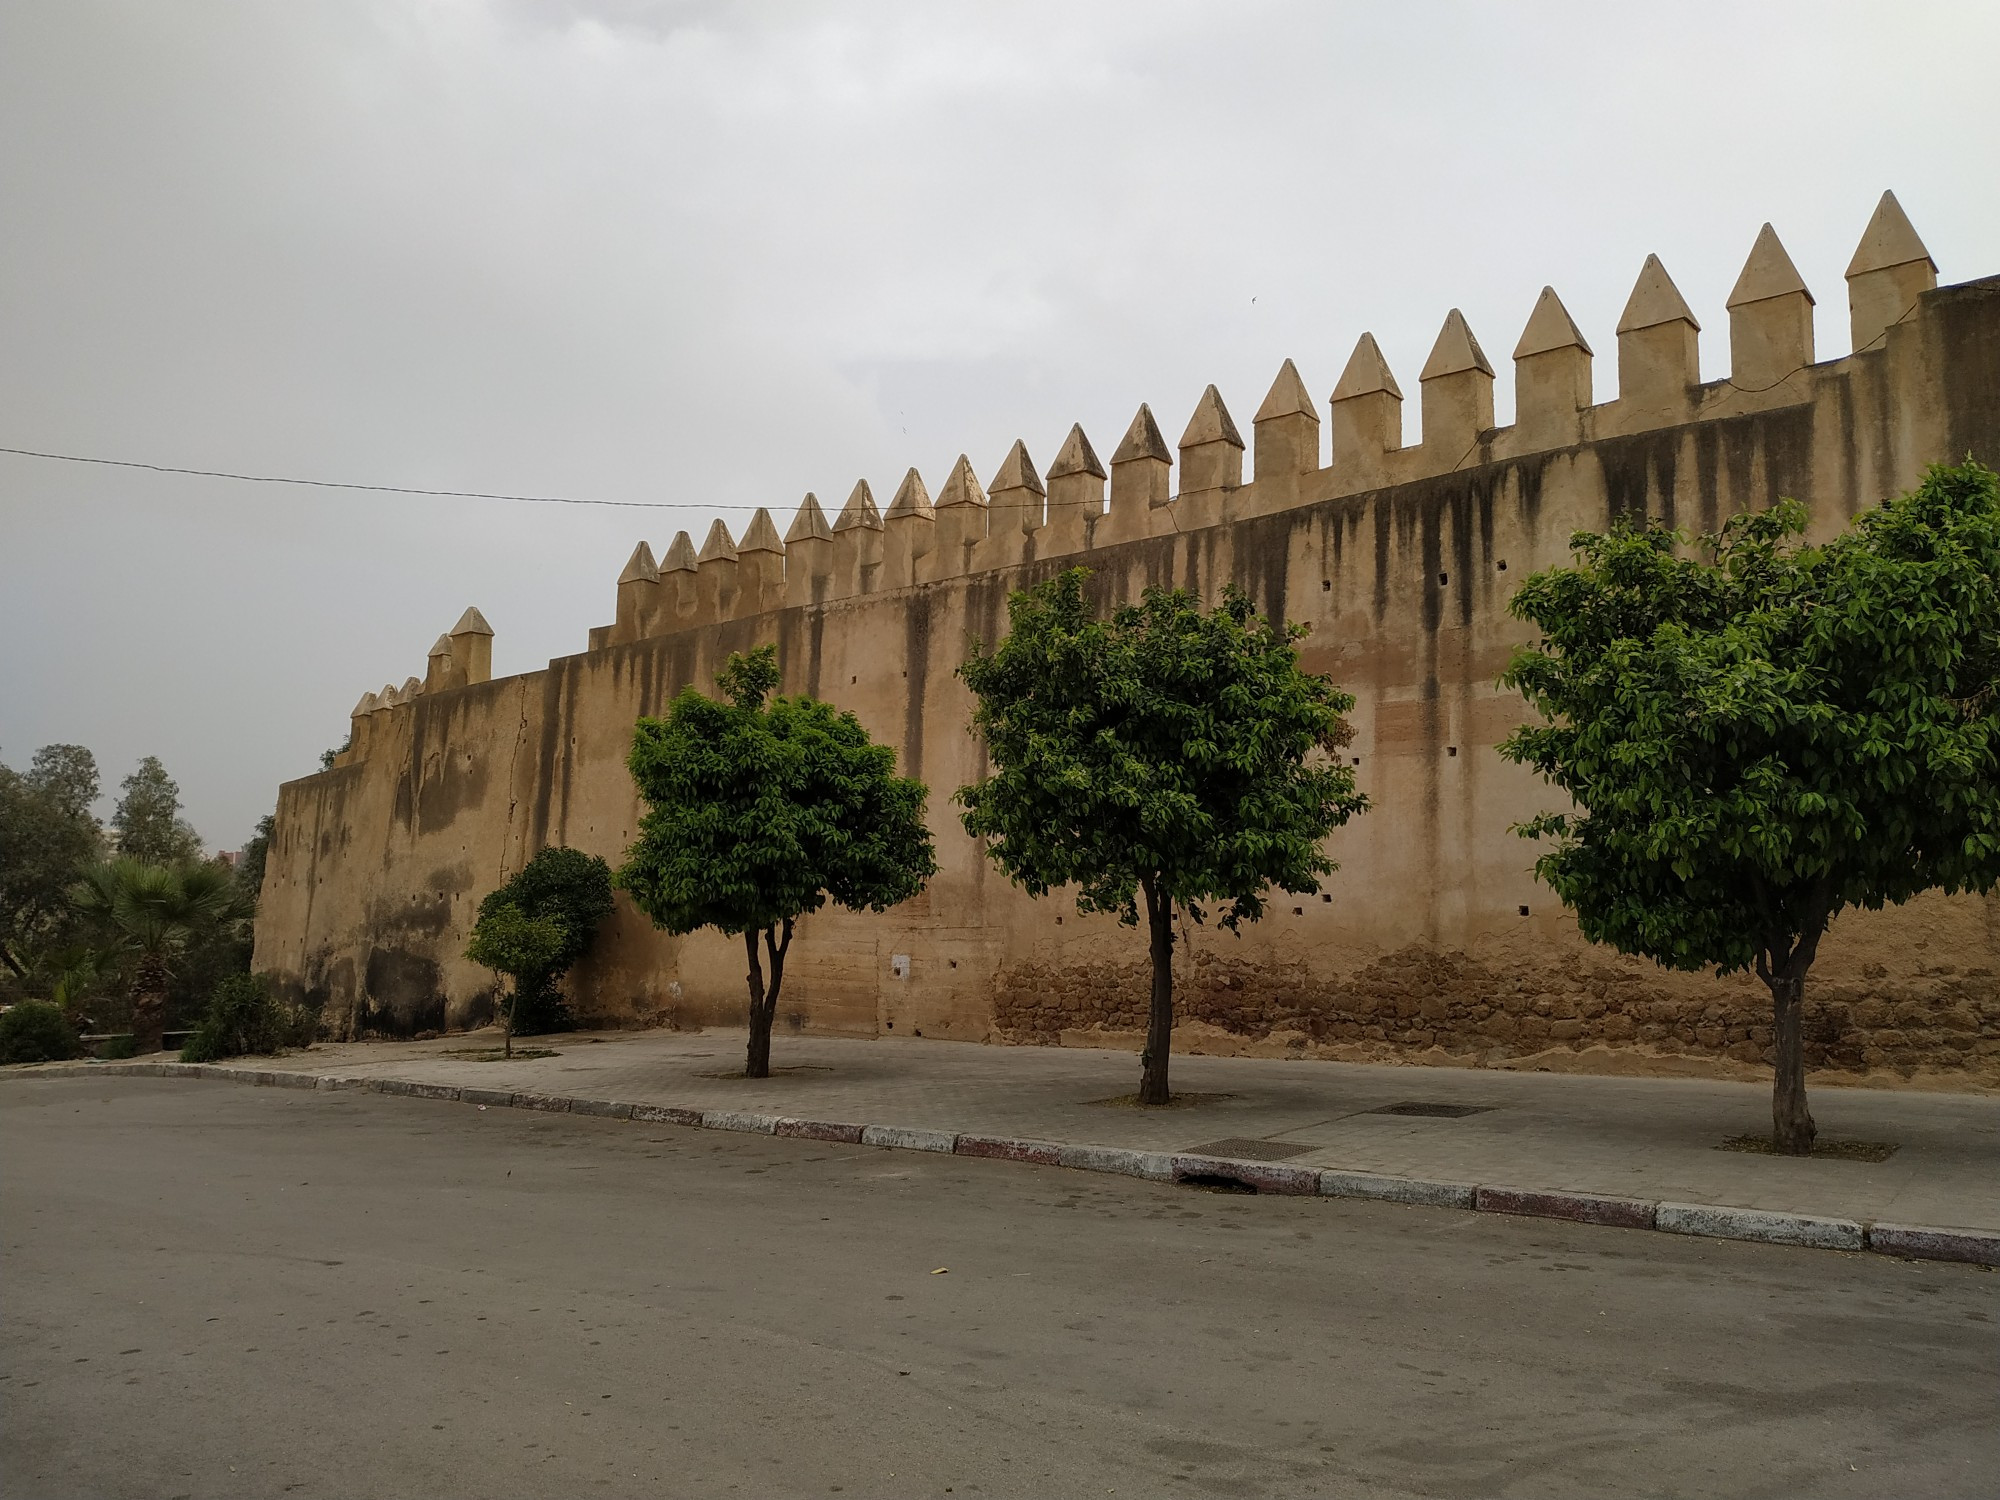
718, 255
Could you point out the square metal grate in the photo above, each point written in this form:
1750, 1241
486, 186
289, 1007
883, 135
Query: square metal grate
1427, 1110
1245, 1149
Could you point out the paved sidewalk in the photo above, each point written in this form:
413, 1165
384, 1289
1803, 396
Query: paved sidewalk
1640, 1138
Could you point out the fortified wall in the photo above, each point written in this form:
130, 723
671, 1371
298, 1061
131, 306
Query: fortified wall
1433, 941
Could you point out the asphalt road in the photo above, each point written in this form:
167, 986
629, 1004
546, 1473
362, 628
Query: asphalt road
217, 1291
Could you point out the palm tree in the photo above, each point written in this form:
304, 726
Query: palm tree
152, 911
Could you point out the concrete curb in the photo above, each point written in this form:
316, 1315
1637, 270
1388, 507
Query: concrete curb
1759, 1224
1979, 1247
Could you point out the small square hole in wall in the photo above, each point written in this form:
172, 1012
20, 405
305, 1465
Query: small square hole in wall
1443, 579
1503, 564
1298, 911
853, 680
1357, 760
1326, 898
1451, 750
1058, 921
1326, 585
1524, 911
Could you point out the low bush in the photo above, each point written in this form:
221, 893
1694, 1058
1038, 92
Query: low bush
36, 1031
245, 1018
118, 1048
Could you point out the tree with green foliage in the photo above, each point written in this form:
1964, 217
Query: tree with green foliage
761, 812
152, 913
48, 835
256, 853
511, 943
1758, 737
1169, 752
574, 888
36, 1031
147, 821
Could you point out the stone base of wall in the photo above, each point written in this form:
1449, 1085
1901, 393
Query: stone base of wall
1581, 1012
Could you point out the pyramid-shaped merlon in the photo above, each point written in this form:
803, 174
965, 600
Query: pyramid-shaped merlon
1288, 397
1142, 440
720, 546
962, 488
1456, 350
1890, 240
761, 535
1017, 472
860, 510
1655, 300
1550, 327
1367, 373
681, 556
912, 500
1076, 456
810, 524
641, 568
1210, 423
1768, 273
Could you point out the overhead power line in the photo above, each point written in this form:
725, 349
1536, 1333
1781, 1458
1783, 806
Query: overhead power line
338, 484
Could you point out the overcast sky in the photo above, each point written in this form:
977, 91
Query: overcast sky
718, 255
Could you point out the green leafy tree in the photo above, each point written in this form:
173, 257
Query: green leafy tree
509, 941
48, 835
1761, 736
256, 853
36, 1031
761, 812
575, 889
152, 913
1170, 752
147, 820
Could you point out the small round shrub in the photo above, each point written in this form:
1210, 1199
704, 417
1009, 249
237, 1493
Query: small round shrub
36, 1031
118, 1048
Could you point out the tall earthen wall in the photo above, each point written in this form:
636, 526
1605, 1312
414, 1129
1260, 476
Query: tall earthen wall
1433, 940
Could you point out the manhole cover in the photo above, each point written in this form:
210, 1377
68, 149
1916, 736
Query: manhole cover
1429, 1111
1245, 1149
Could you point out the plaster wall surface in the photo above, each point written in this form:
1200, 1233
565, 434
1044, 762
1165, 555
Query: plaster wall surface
1432, 941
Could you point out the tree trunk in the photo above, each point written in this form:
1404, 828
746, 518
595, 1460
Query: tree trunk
507, 1020
1160, 1017
1792, 1128
149, 1002
757, 1062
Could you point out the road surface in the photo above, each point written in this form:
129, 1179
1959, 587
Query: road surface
216, 1291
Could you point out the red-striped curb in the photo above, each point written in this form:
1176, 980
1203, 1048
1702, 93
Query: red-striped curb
1578, 1208
1911, 1241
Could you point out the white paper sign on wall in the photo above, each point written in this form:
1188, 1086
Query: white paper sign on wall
899, 965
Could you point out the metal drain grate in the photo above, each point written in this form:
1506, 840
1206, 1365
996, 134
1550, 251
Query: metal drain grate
1245, 1149
1424, 1109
